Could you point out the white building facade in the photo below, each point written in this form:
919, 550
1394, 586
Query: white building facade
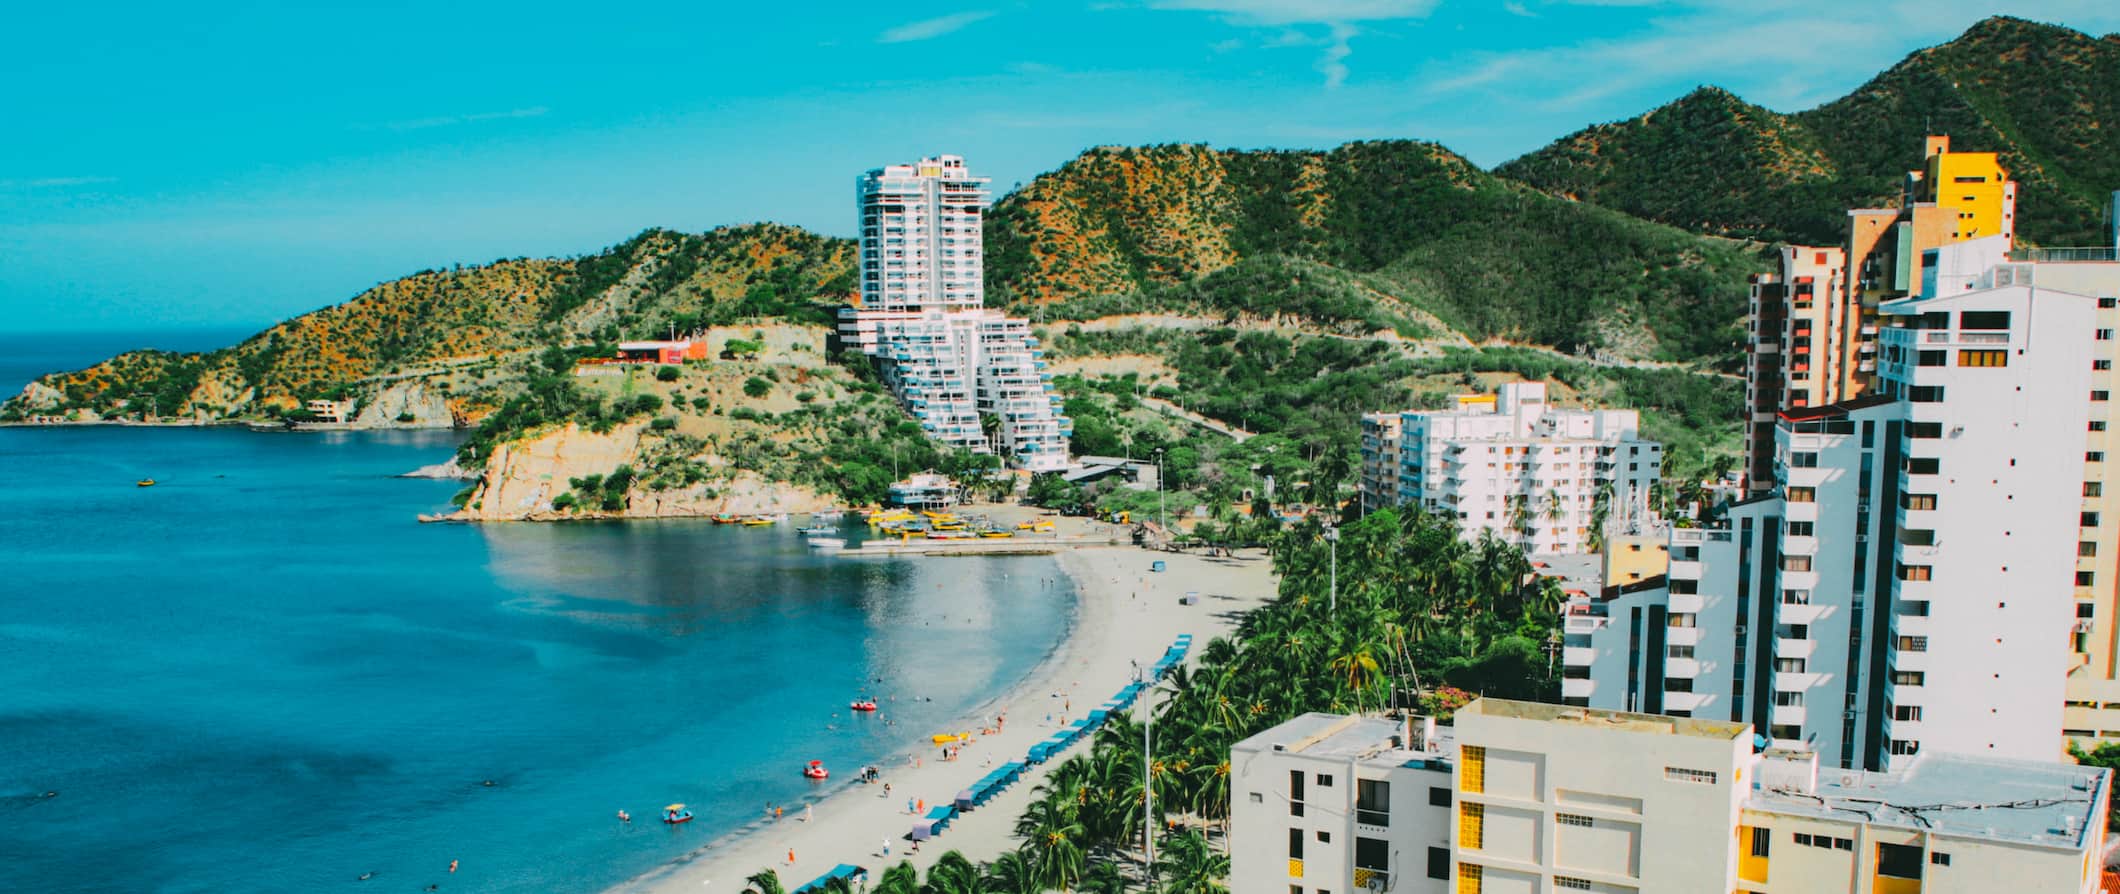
1911, 582
923, 316
1508, 463
1520, 797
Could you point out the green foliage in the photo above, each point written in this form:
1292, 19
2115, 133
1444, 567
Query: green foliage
756, 387
663, 423
2046, 97
667, 373
1053, 491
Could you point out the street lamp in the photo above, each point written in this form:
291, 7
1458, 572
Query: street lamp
1148, 789
1161, 522
1332, 537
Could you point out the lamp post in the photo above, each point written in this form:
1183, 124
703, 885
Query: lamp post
1161, 522
1332, 537
1148, 761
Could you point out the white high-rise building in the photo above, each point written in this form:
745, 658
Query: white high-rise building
1509, 463
1910, 583
923, 316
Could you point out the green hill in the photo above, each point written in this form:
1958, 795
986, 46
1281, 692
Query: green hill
1401, 234
2046, 97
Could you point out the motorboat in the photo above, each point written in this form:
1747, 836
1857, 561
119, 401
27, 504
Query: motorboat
757, 521
723, 518
676, 813
828, 543
829, 515
814, 770
145, 482
867, 704
819, 531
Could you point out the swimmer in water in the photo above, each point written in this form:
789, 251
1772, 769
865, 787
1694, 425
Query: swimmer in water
367, 875
489, 783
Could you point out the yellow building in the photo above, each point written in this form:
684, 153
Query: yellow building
1633, 558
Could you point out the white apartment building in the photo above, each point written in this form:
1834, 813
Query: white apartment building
1511, 464
1910, 582
1523, 797
1378, 485
922, 315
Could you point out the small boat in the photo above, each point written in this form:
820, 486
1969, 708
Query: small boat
828, 543
819, 531
815, 770
946, 738
676, 813
996, 535
757, 521
724, 519
145, 482
829, 515
866, 704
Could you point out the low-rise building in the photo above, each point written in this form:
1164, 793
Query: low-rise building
662, 351
1524, 797
1536, 476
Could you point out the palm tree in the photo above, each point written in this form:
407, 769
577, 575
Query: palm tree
1051, 835
765, 882
1188, 866
899, 879
1012, 873
953, 874
1103, 877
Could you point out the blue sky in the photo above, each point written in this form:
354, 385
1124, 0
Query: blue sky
183, 165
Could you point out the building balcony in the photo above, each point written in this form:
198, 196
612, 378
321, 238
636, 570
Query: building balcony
1687, 603
1682, 636
1785, 647
1685, 701
1800, 613
1581, 625
1788, 682
1790, 715
1578, 656
1687, 570
1905, 660
1912, 625
1572, 688
1683, 668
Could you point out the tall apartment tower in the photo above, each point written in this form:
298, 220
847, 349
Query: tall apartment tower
922, 314
1813, 325
1909, 583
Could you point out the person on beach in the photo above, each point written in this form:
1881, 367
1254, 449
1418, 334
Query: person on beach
909, 805
886, 789
886, 847
807, 812
791, 856
776, 814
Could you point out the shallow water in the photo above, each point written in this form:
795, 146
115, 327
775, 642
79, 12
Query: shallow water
262, 675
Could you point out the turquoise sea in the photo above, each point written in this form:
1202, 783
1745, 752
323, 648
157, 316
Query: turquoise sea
263, 675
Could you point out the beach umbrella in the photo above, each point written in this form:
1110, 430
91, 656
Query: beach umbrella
964, 799
922, 832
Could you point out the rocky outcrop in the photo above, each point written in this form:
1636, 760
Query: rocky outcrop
444, 470
406, 404
523, 477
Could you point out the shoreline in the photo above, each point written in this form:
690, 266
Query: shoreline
1123, 613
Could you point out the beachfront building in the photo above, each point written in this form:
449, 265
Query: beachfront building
1523, 797
1812, 329
921, 313
1377, 486
1537, 476
1911, 582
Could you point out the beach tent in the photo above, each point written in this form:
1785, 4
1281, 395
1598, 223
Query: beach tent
939, 816
964, 800
847, 871
921, 832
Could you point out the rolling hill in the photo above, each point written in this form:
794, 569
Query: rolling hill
2046, 97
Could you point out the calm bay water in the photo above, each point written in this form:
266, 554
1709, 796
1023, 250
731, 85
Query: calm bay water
263, 675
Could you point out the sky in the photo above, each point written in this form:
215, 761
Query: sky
184, 165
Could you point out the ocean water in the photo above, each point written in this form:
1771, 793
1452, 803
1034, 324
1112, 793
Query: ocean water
263, 675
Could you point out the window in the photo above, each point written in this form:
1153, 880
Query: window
2094, 488
1571, 883
1678, 684
2095, 456
1803, 838
1678, 652
2101, 395
1682, 774
1907, 678
1801, 528
1925, 394
1324, 780
1939, 858
1795, 563
1803, 459
1788, 699
2088, 520
1324, 837
1913, 644
1924, 429
1989, 320
1905, 746
1762, 837
1438, 796
1930, 358
1295, 793
1573, 819
1913, 572
1985, 358
1923, 465
1372, 802
1843, 844
1910, 713
1472, 823
2086, 578
1898, 860
2087, 548
2097, 425
1373, 854
2101, 365
2105, 335
1438, 862
1803, 495
1679, 619
1796, 597
1295, 844
1917, 501
1789, 665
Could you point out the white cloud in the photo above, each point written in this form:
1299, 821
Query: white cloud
54, 182
448, 120
928, 29
1514, 8
1339, 17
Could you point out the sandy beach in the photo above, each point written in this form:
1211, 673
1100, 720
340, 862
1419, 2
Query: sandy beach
1127, 614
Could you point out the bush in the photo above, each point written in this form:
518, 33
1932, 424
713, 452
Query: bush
663, 423
666, 374
757, 387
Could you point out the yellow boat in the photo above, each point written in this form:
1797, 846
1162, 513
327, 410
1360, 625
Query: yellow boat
756, 522
996, 535
145, 482
946, 738
1034, 526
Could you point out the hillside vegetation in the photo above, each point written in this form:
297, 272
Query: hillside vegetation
2046, 98
1400, 235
